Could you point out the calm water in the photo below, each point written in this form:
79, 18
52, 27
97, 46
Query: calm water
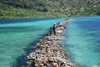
17, 37
82, 41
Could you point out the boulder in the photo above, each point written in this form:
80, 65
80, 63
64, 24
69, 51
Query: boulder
50, 59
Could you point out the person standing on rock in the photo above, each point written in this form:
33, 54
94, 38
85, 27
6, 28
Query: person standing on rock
50, 31
54, 29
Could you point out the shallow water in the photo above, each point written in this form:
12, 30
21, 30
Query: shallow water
17, 37
82, 41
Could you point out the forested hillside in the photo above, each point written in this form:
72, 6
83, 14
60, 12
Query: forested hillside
48, 8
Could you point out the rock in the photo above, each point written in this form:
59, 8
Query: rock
29, 62
46, 65
48, 52
50, 59
57, 65
36, 65
29, 57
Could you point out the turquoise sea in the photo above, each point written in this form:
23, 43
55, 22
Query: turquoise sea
82, 41
18, 37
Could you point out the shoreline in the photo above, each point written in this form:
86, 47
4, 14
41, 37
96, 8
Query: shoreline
43, 17
47, 52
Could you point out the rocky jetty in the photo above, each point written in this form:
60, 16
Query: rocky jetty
48, 52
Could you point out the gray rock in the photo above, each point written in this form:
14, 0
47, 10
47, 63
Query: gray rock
47, 52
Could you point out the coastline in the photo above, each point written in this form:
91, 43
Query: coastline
47, 52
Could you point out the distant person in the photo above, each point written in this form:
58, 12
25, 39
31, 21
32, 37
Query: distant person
54, 29
50, 31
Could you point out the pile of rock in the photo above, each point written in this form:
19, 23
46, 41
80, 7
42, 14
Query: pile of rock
47, 53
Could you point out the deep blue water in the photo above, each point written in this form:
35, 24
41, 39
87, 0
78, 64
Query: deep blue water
18, 36
82, 41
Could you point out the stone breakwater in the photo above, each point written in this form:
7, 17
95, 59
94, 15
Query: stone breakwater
47, 52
